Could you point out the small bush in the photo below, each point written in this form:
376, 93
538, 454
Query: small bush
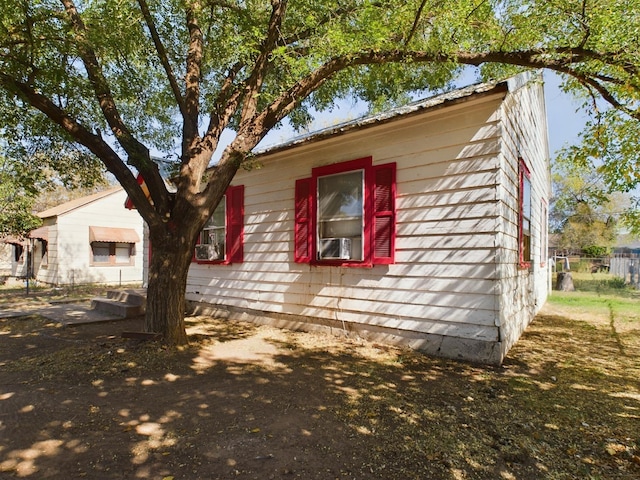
596, 251
616, 283
601, 284
583, 266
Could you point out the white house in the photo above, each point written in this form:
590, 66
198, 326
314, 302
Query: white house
6, 252
93, 239
19, 256
424, 226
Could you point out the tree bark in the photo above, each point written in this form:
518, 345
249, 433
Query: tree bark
168, 269
564, 282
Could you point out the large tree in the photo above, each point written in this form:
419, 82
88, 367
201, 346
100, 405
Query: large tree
586, 213
603, 168
123, 78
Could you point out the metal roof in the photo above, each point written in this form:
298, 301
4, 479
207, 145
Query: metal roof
113, 234
77, 203
445, 99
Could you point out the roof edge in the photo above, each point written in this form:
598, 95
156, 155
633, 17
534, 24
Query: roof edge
77, 203
443, 100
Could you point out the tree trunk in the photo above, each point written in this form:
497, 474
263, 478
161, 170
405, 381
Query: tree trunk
564, 282
166, 303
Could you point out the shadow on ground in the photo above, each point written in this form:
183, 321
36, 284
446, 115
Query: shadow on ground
252, 402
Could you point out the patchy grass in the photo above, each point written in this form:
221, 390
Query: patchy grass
603, 284
16, 294
598, 301
625, 310
255, 402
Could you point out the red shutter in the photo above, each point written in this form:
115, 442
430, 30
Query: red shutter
235, 224
384, 214
302, 242
128, 203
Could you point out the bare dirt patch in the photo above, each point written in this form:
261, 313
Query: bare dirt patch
243, 401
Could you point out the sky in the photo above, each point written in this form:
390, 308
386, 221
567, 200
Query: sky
563, 121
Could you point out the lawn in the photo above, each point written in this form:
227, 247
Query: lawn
601, 296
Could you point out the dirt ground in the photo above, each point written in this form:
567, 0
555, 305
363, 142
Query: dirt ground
254, 402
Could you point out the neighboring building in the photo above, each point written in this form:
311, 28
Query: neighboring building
19, 254
6, 251
425, 226
627, 245
92, 239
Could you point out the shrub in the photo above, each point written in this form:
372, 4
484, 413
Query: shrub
596, 251
583, 266
616, 282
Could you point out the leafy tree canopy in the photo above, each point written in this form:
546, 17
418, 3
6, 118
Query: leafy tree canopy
607, 155
30, 178
117, 79
16, 202
584, 214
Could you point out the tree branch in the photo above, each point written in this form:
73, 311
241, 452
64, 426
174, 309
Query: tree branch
416, 21
226, 103
91, 141
192, 81
282, 106
162, 54
138, 153
256, 79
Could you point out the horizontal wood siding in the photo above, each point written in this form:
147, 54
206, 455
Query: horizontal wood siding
522, 291
70, 251
444, 281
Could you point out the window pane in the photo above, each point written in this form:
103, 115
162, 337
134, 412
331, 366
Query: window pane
100, 252
214, 232
218, 217
526, 218
340, 216
123, 252
526, 204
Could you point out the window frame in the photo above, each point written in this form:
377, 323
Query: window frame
234, 230
525, 250
544, 235
323, 222
379, 193
44, 258
18, 253
112, 255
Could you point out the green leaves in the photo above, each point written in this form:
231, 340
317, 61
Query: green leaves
384, 51
586, 211
17, 195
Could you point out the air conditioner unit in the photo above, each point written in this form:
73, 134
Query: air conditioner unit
335, 248
208, 252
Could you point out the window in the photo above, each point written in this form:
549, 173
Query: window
112, 253
544, 237
345, 214
221, 239
211, 244
524, 216
340, 216
112, 246
18, 253
44, 262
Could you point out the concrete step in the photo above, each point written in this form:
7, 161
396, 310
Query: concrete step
131, 296
123, 303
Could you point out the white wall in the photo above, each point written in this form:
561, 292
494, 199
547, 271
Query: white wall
6, 253
70, 255
443, 294
523, 291
443, 282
